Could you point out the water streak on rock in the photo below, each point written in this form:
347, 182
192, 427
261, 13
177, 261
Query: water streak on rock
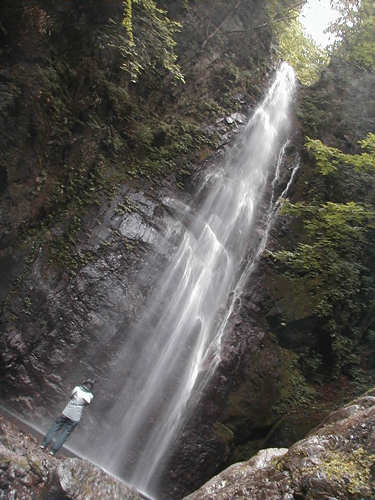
175, 348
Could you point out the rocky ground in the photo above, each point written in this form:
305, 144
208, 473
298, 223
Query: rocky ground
334, 462
28, 473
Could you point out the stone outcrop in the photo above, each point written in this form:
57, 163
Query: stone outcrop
335, 461
81, 480
28, 473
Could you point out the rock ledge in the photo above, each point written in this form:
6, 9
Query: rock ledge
28, 473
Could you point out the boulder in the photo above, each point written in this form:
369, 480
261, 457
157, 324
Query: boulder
335, 461
28, 473
81, 480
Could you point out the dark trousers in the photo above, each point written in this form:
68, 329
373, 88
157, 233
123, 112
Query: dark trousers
67, 427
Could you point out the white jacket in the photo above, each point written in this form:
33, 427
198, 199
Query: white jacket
80, 398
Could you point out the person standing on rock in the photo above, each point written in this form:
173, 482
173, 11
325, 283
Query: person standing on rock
81, 397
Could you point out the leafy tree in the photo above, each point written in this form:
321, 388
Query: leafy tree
328, 159
332, 229
295, 46
355, 31
141, 39
149, 39
302, 53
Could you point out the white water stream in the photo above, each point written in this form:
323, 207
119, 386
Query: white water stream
175, 348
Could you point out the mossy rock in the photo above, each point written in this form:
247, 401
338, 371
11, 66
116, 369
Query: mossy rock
289, 429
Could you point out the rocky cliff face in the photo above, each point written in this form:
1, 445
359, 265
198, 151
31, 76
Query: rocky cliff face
84, 218
82, 212
63, 208
281, 373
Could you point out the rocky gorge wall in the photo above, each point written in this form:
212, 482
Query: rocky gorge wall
74, 275
281, 371
43, 201
75, 233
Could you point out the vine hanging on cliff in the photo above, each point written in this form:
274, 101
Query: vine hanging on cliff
127, 20
149, 38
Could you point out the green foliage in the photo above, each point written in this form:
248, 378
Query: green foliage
295, 46
328, 159
226, 82
160, 145
313, 112
126, 207
282, 12
60, 248
337, 233
209, 109
331, 223
226, 78
118, 97
301, 52
53, 100
294, 391
144, 39
127, 20
332, 257
355, 30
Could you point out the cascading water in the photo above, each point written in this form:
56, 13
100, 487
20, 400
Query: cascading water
175, 348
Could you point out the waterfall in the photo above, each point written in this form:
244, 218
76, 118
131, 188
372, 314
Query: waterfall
175, 348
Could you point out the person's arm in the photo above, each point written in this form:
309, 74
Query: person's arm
88, 400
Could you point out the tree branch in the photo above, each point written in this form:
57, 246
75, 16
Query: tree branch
297, 6
221, 24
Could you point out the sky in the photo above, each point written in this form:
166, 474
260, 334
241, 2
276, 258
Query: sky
315, 16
